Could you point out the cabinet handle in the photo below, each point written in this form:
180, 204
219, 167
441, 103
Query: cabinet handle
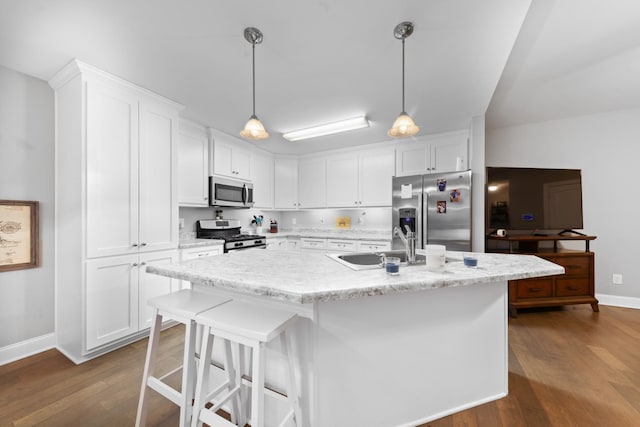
143, 244
143, 263
535, 289
204, 254
135, 245
573, 288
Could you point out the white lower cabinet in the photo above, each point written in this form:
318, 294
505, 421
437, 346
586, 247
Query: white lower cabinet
373, 245
308, 243
341, 245
196, 253
117, 290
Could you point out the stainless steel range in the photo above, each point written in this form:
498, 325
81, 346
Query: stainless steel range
229, 230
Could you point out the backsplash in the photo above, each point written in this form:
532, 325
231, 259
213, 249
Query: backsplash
365, 220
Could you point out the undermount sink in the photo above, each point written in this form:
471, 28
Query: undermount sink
371, 260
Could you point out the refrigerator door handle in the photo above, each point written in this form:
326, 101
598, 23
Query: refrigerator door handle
422, 221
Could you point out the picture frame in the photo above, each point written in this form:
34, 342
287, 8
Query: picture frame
19, 235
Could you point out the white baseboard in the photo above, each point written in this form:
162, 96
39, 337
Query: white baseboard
618, 301
27, 348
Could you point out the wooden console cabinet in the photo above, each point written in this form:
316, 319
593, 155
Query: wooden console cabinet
575, 286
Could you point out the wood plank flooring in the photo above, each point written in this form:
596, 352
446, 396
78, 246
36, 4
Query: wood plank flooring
567, 367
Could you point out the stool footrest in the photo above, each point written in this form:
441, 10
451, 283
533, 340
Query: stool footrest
179, 368
165, 390
224, 399
290, 416
213, 419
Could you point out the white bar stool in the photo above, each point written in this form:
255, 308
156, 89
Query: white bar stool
249, 325
182, 306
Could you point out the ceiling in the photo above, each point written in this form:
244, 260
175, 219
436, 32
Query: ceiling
326, 60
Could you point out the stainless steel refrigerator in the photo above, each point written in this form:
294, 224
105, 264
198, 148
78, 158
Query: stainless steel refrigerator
437, 207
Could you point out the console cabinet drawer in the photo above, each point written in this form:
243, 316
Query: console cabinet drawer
534, 288
577, 266
572, 287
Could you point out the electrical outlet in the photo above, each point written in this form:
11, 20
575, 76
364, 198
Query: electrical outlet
293, 221
617, 279
321, 220
181, 222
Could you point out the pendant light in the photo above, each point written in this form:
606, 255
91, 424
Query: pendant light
254, 129
404, 125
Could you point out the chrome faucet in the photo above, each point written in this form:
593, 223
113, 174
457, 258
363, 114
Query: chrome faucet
409, 242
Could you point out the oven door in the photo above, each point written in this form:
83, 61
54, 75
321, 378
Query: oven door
230, 193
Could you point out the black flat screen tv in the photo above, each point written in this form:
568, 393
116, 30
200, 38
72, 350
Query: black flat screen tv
534, 199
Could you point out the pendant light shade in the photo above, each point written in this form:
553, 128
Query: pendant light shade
254, 129
404, 125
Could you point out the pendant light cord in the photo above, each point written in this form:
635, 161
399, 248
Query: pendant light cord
253, 54
403, 75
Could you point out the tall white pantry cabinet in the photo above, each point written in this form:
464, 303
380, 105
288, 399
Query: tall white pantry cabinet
116, 207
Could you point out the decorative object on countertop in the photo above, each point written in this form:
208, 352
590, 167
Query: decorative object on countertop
343, 222
254, 129
436, 257
404, 125
257, 220
273, 226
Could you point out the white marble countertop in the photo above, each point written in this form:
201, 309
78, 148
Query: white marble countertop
306, 277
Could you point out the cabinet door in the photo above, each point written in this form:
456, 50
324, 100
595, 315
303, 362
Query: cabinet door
285, 180
153, 285
262, 178
193, 168
229, 160
112, 171
342, 181
375, 172
111, 299
413, 159
158, 201
449, 152
312, 183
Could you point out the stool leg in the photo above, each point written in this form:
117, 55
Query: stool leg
257, 385
202, 382
149, 369
232, 378
243, 398
188, 373
292, 390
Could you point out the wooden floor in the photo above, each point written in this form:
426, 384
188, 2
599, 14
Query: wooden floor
567, 367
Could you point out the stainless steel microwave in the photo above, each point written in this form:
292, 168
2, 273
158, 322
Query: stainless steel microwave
225, 192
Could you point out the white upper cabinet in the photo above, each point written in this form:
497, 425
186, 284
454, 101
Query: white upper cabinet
360, 179
342, 181
436, 153
312, 182
375, 171
193, 165
262, 178
285, 180
131, 179
229, 157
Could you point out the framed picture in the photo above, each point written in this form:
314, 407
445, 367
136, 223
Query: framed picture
19, 240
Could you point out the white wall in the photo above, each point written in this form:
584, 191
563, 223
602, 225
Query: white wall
26, 173
605, 147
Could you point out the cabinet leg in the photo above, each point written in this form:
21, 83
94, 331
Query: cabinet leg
513, 312
595, 307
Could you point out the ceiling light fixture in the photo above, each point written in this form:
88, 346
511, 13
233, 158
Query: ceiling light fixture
328, 129
254, 129
404, 125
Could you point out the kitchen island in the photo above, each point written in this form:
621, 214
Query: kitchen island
375, 349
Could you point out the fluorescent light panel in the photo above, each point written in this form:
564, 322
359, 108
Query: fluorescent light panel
328, 129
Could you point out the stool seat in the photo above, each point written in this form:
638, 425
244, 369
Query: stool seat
182, 306
246, 325
248, 320
186, 303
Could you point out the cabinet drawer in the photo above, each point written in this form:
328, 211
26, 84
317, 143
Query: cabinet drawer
307, 243
572, 287
341, 245
535, 288
577, 266
374, 245
188, 254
